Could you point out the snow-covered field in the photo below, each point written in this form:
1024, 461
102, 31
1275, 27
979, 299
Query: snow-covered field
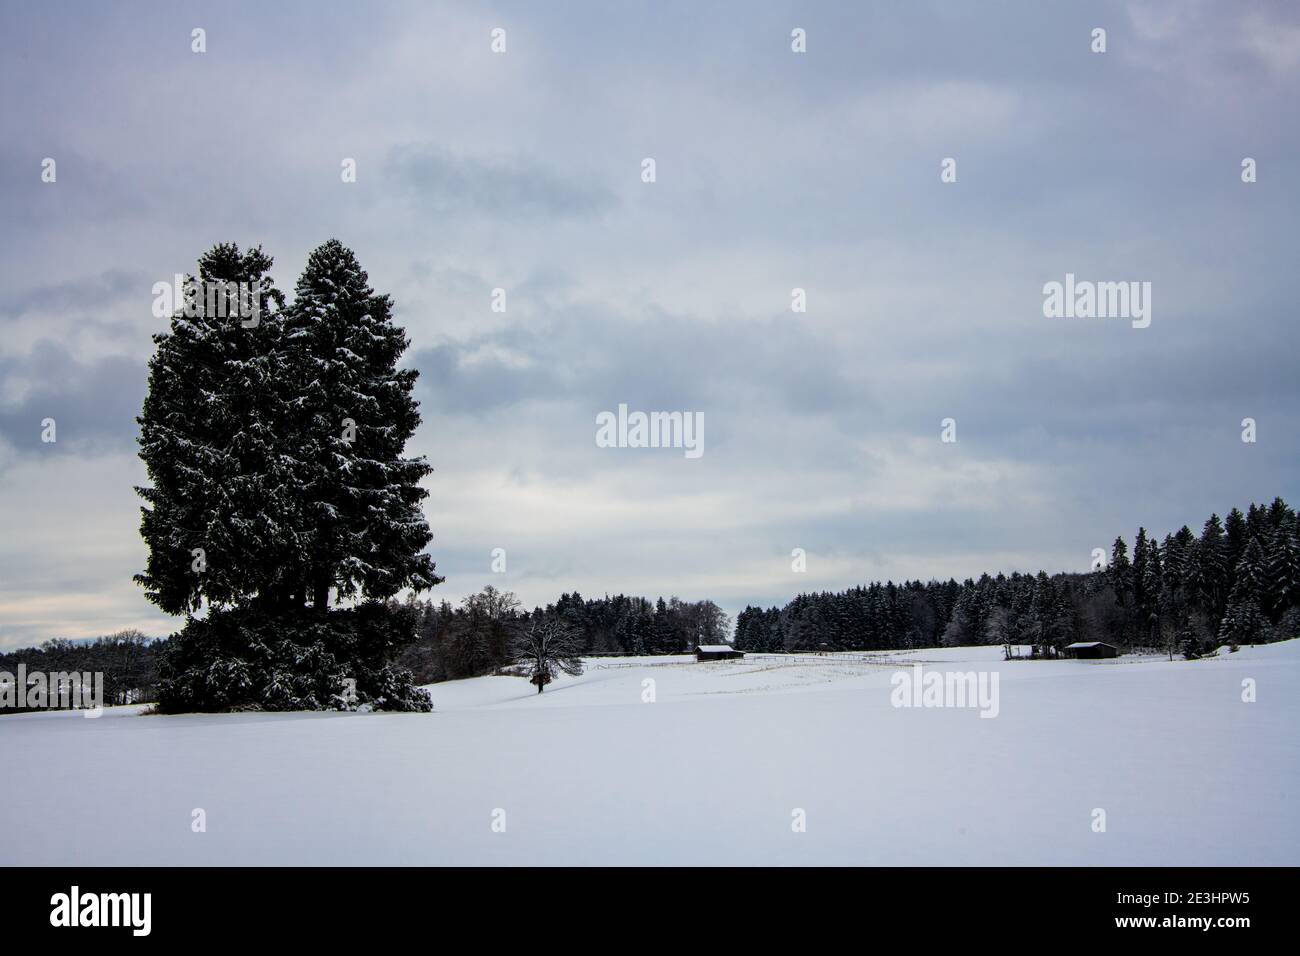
711, 772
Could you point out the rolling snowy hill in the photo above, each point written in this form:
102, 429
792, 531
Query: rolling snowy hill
713, 771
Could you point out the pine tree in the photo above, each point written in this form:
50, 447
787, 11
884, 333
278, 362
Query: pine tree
261, 497
1234, 537
1174, 587
1120, 572
219, 520
1283, 570
748, 623
1041, 614
353, 414
1257, 523
1213, 568
1152, 585
1065, 623
1139, 574
1251, 572
1181, 556
1279, 514
1243, 621
662, 639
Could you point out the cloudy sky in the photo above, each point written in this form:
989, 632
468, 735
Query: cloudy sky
775, 170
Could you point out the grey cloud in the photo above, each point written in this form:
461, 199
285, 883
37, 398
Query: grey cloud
668, 362
93, 403
85, 188
83, 296
507, 189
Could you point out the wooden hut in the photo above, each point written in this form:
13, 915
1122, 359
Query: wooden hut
716, 652
1091, 650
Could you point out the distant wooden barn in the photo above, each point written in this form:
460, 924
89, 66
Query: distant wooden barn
1091, 650
716, 652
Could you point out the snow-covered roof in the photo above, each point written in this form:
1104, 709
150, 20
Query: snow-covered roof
1089, 644
714, 648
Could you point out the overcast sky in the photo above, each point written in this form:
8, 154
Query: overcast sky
775, 170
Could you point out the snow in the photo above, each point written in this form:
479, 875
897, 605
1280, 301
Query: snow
711, 772
714, 648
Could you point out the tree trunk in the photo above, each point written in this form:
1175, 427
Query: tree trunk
321, 595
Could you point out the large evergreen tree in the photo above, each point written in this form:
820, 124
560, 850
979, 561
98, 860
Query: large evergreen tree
353, 413
220, 518
274, 447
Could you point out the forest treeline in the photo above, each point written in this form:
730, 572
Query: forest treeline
475, 637
1236, 582
128, 660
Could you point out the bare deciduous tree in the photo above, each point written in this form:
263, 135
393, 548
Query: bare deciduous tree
545, 646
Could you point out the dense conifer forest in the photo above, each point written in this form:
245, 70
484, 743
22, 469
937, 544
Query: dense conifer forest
1237, 582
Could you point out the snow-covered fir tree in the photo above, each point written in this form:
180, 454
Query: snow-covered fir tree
352, 414
274, 446
220, 519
